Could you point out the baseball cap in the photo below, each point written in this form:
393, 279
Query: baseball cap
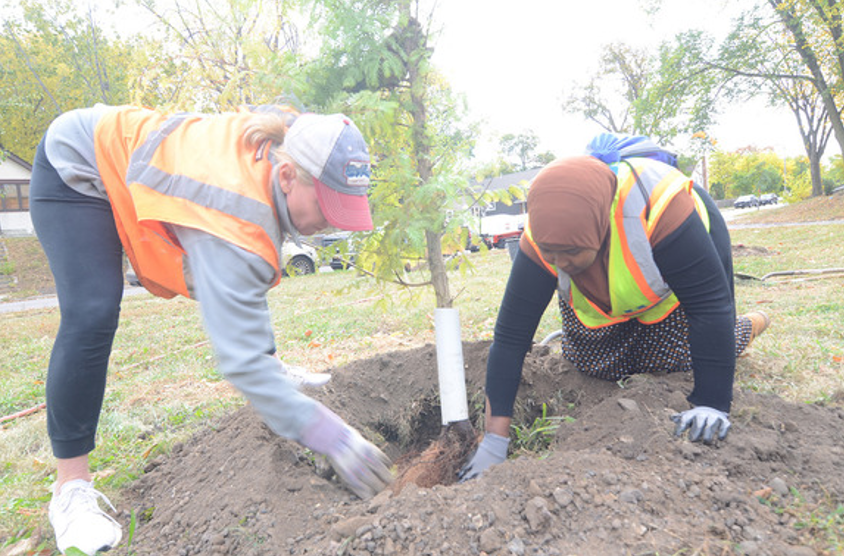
332, 150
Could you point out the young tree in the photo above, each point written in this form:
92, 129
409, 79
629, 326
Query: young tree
375, 63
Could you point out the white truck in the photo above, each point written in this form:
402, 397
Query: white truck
497, 229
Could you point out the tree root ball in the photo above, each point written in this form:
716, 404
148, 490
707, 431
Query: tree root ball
440, 462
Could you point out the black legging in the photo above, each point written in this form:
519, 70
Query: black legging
79, 237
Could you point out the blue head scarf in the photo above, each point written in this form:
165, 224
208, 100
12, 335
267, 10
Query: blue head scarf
614, 147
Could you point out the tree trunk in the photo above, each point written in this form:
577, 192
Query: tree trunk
422, 149
794, 26
815, 167
439, 278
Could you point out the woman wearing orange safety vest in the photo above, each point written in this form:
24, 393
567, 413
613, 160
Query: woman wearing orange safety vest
641, 259
201, 205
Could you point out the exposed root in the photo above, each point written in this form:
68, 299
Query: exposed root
440, 462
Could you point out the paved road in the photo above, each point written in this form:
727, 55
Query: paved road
49, 301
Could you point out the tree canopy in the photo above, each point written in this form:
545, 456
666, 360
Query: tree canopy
660, 94
53, 60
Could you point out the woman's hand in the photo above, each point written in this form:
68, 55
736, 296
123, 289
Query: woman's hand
361, 466
491, 451
703, 423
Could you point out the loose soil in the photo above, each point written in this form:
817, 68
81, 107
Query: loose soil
614, 481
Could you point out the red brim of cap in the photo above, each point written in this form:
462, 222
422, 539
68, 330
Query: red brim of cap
344, 212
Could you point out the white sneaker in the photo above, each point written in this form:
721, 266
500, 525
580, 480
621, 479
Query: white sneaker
79, 521
303, 377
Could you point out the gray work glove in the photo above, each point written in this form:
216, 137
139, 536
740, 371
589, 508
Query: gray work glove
491, 451
361, 466
703, 423
303, 377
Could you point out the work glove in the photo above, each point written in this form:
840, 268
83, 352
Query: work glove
491, 451
302, 377
703, 423
361, 466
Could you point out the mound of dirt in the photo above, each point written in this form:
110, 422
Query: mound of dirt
615, 480
742, 250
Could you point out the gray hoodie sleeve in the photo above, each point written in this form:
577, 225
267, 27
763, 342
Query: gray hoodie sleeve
231, 286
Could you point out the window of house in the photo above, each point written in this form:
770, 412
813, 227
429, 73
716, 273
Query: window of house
14, 196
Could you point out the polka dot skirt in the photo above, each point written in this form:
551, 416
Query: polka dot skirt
614, 352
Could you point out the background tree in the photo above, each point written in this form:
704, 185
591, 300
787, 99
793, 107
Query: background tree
491, 168
752, 171
523, 148
215, 55
833, 173
52, 59
816, 32
758, 51
661, 95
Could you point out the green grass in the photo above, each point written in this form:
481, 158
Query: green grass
163, 385
536, 437
802, 356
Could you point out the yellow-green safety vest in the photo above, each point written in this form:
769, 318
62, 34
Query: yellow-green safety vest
637, 289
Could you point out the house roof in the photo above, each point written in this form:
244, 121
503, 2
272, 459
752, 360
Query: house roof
505, 181
16, 159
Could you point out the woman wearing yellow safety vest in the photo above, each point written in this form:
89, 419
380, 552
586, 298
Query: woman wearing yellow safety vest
201, 205
641, 260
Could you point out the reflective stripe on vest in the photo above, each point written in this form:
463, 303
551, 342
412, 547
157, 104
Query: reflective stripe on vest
636, 287
189, 170
208, 196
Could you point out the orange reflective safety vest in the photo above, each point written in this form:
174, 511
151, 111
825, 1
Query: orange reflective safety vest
637, 289
187, 169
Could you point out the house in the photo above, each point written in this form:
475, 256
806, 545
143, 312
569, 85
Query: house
519, 206
15, 174
498, 222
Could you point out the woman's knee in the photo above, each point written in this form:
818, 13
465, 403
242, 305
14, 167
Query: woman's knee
100, 315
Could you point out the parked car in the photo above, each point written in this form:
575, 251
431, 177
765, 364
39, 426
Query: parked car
295, 260
298, 260
746, 201
769, 199
331, 254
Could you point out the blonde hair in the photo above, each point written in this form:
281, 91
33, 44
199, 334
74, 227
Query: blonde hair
272, 126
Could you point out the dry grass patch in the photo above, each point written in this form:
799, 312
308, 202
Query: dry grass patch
28, 264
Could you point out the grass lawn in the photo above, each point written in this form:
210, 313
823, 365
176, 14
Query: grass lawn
163, 384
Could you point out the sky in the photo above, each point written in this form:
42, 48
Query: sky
514, 59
